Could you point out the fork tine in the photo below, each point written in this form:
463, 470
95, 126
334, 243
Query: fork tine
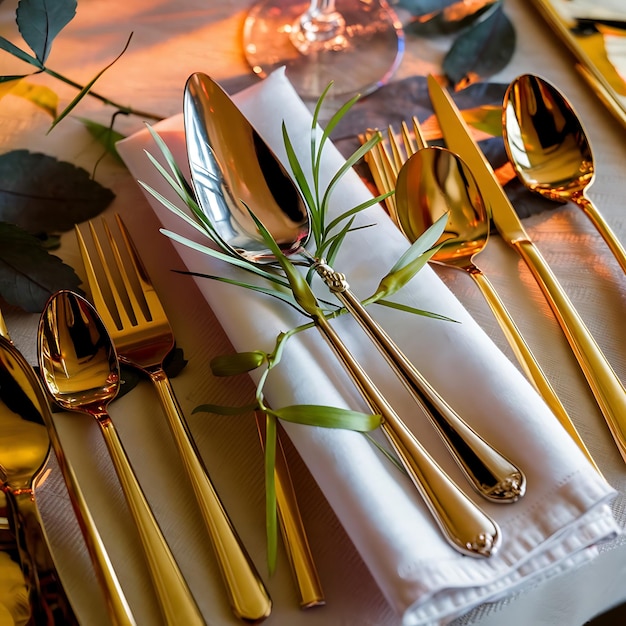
152, 302
420, 138
92, 280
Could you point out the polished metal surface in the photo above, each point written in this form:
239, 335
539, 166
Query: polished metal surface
603, 381
233, 170
24, 449
143, 338
548, 147
432, 182
80, 370
25, 383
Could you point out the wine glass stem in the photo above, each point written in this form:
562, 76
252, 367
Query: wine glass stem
320, 27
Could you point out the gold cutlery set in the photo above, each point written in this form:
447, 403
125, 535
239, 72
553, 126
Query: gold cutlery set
81, 345
401, 170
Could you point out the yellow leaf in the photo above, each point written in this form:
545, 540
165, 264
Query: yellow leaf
8, 86
39, 95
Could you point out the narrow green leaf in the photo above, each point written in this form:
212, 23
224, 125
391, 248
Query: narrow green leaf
328, 417
40, 21
238, 363
394, 281
301, 289
11, 48
409, 309
271, 521
227, 258
425, 242
171, 161
85, 90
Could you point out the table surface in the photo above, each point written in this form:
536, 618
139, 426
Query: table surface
172, 40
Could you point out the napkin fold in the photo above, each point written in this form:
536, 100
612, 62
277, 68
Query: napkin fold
565, 512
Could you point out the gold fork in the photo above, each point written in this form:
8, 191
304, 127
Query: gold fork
385, 164
143, 340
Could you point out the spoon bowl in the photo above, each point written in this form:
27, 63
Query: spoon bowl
434, 182
549, 150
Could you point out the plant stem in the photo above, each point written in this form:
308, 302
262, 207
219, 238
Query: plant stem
124, 109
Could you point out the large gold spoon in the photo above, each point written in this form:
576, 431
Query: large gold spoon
434, 182
233, 168
548, 147
80, 369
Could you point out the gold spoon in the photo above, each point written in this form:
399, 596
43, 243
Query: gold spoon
80, 370
26, 384
24, 450
548, 147
233, 168
435, 181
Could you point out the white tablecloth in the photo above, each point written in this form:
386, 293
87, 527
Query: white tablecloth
170, 42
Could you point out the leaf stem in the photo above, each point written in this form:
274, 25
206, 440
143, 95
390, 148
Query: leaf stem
123, 108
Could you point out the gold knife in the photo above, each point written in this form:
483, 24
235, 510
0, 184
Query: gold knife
607, 389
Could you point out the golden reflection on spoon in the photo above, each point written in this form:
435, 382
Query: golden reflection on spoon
549, 149
80, 369
435, 181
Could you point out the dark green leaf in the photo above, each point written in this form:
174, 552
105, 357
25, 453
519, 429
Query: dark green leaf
28, 274
174, 363
41, 194
11, 48
328, 417
40, 21
129, 377
482, 50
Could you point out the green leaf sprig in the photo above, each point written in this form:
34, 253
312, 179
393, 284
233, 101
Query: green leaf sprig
290, 285
39, 22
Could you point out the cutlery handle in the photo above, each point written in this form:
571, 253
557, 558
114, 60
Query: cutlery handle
45, 590
464, 525
120, 613
247, 593
292, 528
177, 603
602, 379
527, 360
489, 472
590, 210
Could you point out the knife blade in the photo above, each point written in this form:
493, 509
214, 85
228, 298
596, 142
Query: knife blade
606, 387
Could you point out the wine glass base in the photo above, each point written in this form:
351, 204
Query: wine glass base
371, 49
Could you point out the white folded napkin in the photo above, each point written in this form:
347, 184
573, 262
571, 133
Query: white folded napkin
564, 513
